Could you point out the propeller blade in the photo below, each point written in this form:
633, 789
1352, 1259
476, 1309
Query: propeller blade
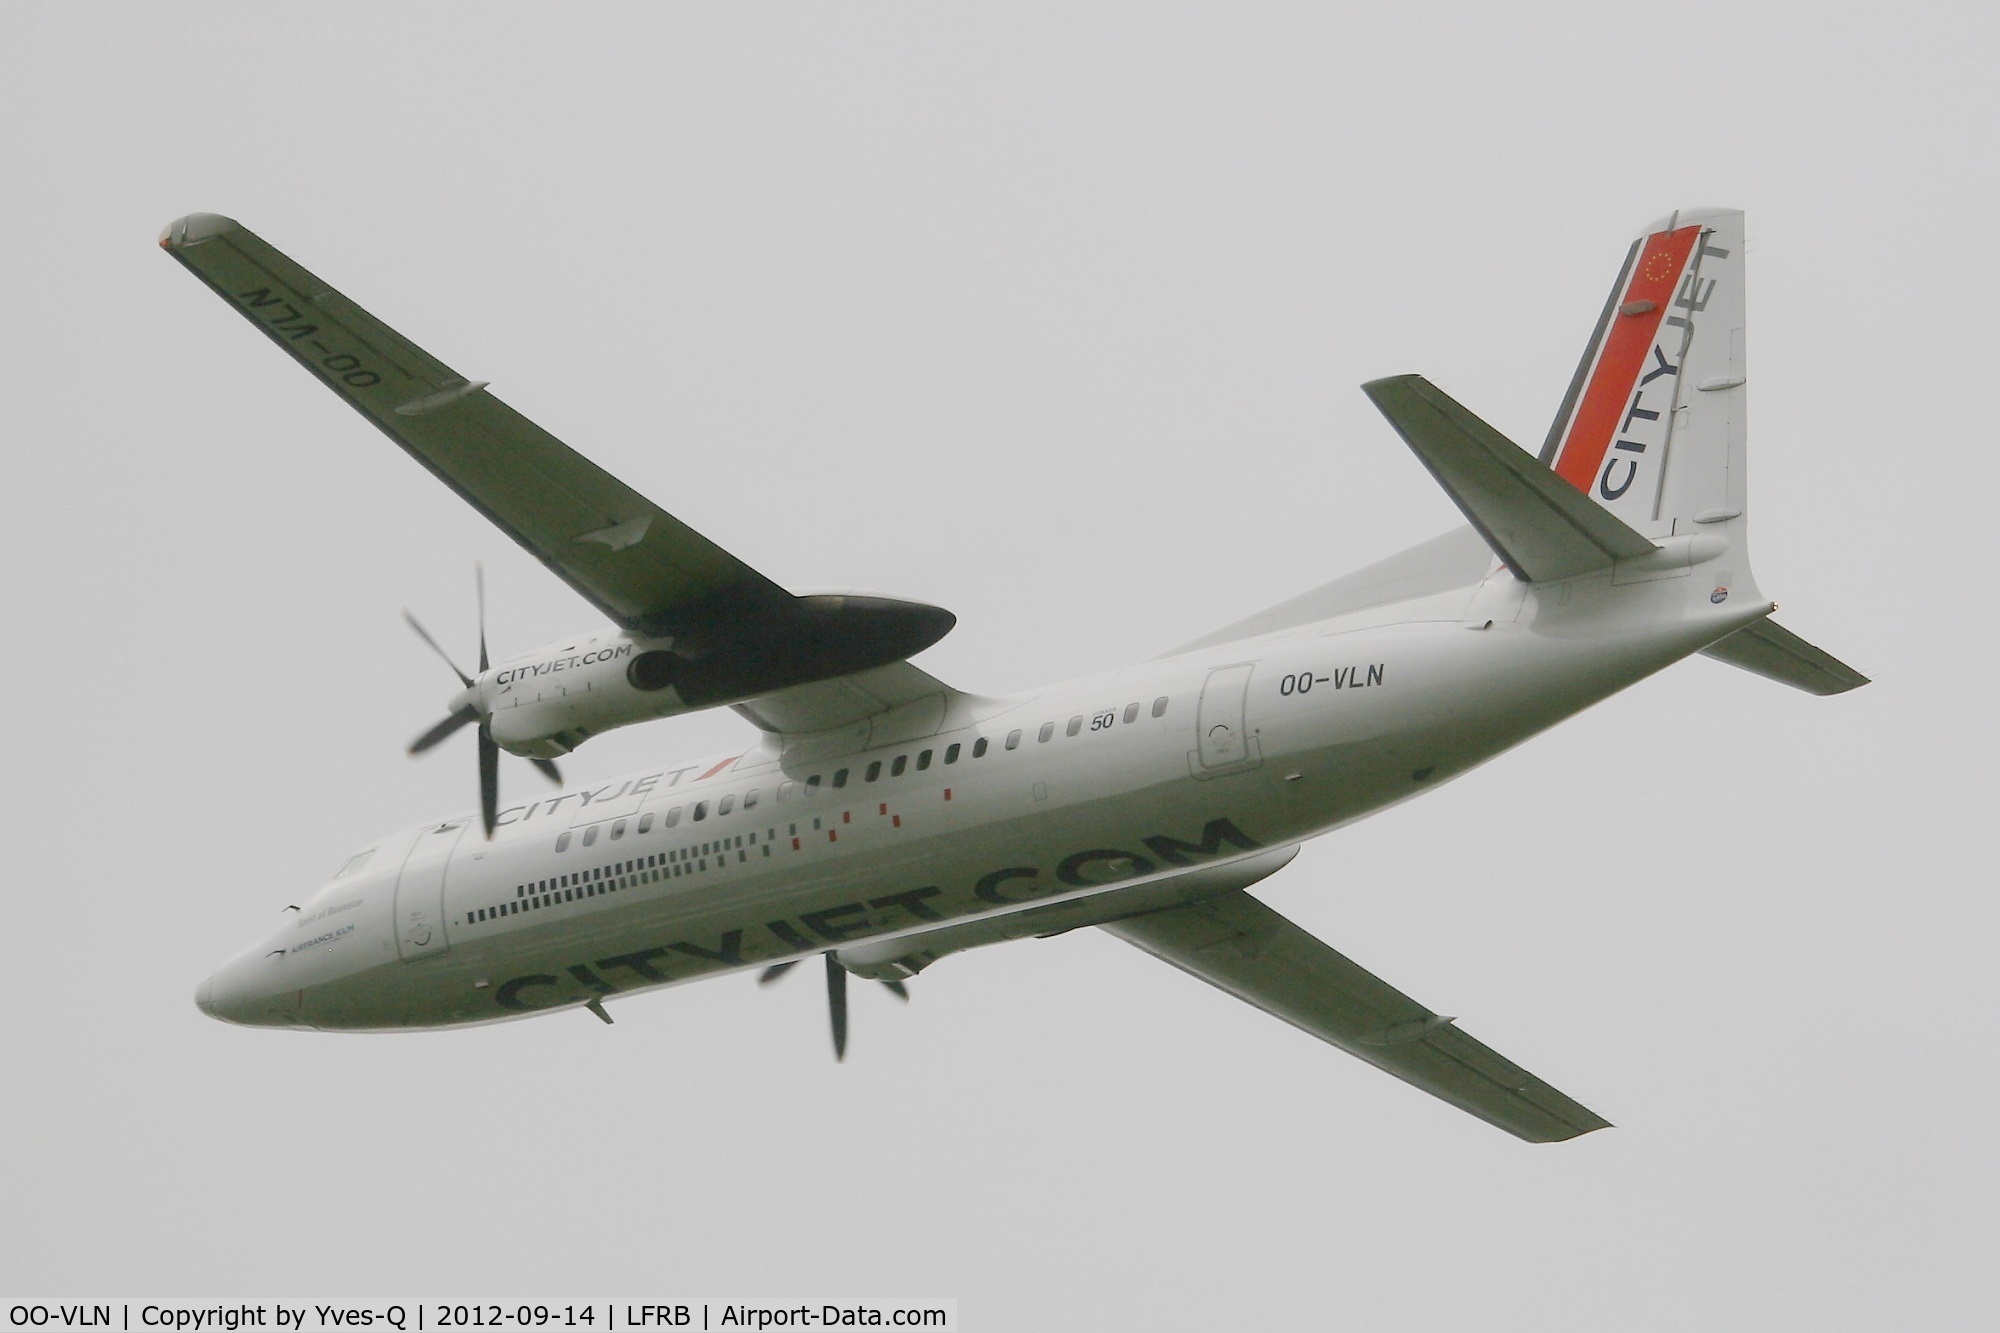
479, 584
489, 780
548, 769
425, 635
774, 971
899, 990
836, 1003
448, 727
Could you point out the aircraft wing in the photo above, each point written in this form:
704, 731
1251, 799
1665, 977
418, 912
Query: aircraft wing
1235, 942
644, 568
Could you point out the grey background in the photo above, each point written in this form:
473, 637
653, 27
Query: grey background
1053, 315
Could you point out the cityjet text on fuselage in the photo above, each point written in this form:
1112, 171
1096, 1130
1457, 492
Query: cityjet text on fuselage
549, 666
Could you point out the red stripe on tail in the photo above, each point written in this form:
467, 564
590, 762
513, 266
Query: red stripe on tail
1602, 408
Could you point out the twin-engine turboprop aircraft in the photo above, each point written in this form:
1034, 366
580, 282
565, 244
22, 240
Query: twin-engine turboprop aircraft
883, 819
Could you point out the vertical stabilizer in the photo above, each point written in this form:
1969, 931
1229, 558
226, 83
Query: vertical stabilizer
1653, 425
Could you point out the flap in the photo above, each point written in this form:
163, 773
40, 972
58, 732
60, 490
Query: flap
826, 704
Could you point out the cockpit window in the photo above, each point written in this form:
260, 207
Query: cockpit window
354, 863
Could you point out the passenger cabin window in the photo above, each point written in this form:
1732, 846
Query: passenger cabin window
1160, 706
1014, 739
1131, 712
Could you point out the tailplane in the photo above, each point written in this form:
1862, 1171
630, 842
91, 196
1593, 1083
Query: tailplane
1770, 650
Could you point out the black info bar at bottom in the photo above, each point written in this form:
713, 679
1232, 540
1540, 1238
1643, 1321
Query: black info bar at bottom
392, 1316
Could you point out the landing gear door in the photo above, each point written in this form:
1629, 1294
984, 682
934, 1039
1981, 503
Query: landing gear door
420, 893
1223, 742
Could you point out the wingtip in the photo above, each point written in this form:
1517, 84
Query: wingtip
1374, 386
194, 229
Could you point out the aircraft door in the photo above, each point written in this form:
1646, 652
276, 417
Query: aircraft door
420, 893
1223, 742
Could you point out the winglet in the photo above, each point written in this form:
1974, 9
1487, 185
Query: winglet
1543, 527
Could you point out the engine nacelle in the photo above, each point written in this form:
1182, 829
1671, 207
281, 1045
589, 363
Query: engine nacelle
547, 702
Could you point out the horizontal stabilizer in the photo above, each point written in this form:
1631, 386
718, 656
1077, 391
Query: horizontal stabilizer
1238, 944
1543, 527
1771, 650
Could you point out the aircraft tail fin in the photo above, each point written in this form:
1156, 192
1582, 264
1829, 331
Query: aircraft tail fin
1770, 650
1652, 427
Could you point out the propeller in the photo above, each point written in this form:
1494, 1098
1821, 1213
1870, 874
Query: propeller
836, 995
468, 713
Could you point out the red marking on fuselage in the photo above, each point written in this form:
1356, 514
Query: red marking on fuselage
1605, 400
718, 768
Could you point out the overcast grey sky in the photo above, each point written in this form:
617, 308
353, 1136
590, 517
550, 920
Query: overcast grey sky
1053, 315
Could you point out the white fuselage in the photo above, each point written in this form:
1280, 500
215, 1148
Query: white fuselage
693, 870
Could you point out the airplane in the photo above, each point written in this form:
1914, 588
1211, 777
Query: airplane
884, 820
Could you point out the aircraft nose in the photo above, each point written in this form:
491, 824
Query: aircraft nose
250, 990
